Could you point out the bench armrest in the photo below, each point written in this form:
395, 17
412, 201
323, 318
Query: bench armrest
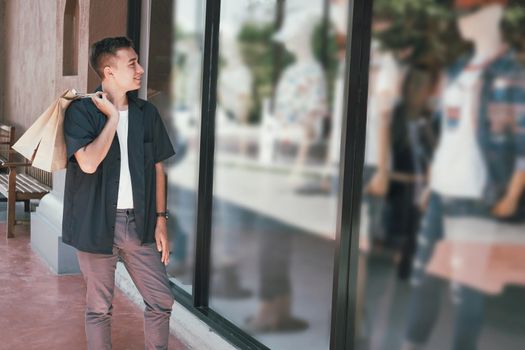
14, 164
18, 160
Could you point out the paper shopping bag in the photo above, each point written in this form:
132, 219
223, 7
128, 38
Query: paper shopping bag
43, 143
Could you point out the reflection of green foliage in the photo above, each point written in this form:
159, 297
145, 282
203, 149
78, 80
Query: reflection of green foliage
426, 27
429, 28
257, 49
325, 50
513, 25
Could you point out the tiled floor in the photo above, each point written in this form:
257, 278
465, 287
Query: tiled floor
39, 310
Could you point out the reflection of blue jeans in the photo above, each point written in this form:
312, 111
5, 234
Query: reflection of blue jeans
425, 300
376, 207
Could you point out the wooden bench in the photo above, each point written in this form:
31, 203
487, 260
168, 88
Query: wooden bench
24, 185
7, 139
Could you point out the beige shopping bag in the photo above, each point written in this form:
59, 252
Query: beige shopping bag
43, 143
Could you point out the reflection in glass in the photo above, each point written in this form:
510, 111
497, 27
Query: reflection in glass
274, 206
443, 220
174, 81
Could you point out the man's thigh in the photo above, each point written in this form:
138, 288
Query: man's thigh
99, 273
144, 265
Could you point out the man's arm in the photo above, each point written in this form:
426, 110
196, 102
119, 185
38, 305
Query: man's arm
509, 203
90, 156
378, 185
513, 97
161, 231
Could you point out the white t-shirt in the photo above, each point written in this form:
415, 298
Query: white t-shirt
125, 190
458, 169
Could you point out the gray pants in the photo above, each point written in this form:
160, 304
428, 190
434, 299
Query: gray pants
147, 272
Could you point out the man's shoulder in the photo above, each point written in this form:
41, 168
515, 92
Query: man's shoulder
148, 106
77, 111
76, 105
79, 107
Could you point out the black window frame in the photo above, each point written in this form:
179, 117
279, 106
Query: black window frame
351, 170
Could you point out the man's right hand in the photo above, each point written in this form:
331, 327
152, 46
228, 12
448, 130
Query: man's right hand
104, 105
423, 199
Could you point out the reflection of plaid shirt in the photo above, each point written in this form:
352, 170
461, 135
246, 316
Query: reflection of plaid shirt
501, 120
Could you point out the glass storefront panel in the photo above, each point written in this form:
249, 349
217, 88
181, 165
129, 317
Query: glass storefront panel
278, 118
442, 259
174, 87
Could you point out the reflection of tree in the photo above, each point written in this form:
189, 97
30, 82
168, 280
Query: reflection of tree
513, 25
326, 51
424, 30
257, 51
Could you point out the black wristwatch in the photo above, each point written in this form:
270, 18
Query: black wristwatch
163, 214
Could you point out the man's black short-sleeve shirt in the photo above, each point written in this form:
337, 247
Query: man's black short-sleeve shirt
90, 200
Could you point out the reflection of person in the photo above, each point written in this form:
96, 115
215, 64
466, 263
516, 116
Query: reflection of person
301, 90
300, 102
234, 90
478, 169
235, 79
386, 76
234, 96
274, 312
188, 72
384, 87
159, 85
114, 200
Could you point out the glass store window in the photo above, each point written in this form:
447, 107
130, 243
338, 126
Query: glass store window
442, 210
274, 200
174, 87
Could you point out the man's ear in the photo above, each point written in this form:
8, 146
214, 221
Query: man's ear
108, 72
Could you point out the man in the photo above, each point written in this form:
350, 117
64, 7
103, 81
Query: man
114, 200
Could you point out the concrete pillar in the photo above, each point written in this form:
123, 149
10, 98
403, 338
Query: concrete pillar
46, 230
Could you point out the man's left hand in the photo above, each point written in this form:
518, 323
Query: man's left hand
161, 237
505, 207
378, 185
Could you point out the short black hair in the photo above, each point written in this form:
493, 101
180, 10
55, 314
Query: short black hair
104, 49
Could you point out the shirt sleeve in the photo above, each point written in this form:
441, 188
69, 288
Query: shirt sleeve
78, 131
162, 147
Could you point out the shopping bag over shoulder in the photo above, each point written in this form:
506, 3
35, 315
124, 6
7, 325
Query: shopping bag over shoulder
43, 143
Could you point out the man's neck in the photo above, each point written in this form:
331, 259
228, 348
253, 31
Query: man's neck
487, 49
116, 96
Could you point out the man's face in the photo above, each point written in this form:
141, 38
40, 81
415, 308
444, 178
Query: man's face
126, 70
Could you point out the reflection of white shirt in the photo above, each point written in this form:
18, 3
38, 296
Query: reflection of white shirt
125, 191
385, 79
458, 169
